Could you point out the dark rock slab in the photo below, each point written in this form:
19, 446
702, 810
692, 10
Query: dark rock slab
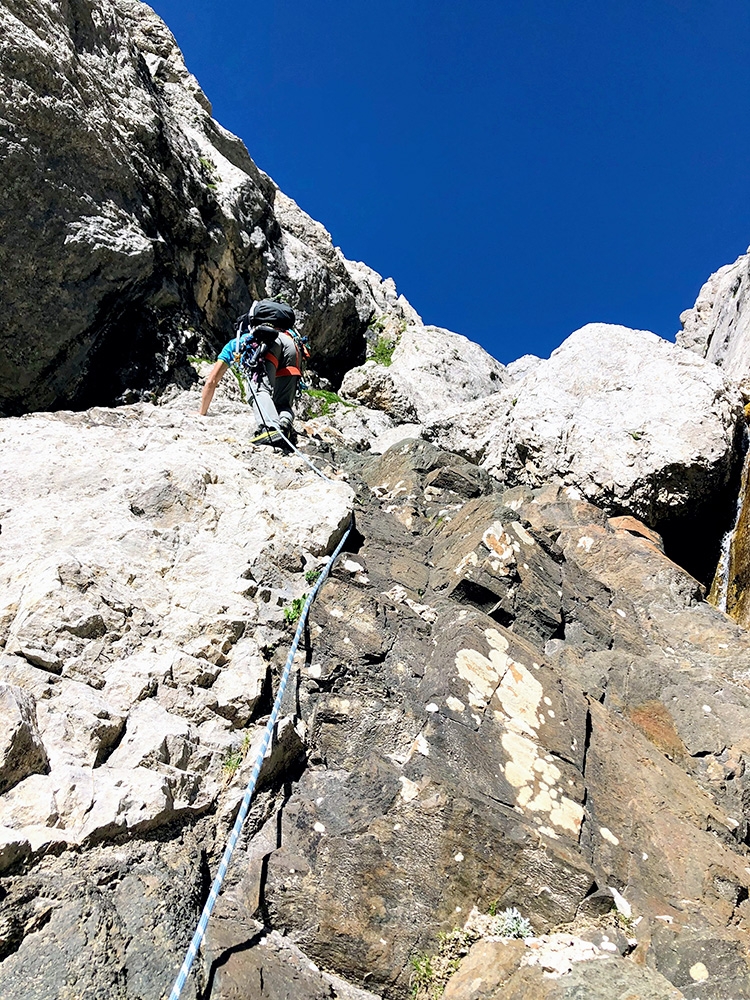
113, 922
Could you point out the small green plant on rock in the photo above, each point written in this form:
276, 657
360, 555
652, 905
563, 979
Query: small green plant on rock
509, 923
293, 611
422, 979
328, 399
233, 760
430, 973
240, 383
382, 352
626, 924
209, 171
312, 575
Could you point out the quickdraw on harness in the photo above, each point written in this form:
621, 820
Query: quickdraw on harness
249, 349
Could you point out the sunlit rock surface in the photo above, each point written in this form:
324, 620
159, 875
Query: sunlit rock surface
508, 696
718, 325
506, 699
632, 422
429, 368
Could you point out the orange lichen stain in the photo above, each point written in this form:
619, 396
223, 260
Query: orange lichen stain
497, 540
633, 526
517, 675
657, 725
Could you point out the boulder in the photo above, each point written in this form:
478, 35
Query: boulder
79, 725
240, 684
429, 367
589, 417
153, 736
607, 979
94, 920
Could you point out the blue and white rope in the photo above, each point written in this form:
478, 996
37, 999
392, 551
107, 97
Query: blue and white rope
270, 431
304, 458
242, 814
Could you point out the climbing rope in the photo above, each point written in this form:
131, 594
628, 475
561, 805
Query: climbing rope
242, 814
269, 433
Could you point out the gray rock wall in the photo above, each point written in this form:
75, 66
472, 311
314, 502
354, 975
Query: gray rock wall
133, 227
505, 700
630, 421
718, 325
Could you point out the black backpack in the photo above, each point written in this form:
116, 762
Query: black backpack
262, 322
271, 313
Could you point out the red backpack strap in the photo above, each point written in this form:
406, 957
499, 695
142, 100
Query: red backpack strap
292, 369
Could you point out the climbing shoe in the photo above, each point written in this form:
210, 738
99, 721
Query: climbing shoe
271, 437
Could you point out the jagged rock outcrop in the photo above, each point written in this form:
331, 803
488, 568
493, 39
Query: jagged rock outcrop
589, 417
717, 327
128, 729
557, 967
134, 228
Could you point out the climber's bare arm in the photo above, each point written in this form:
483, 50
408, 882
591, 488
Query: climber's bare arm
214, 377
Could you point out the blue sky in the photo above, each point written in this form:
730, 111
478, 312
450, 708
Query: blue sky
519, 167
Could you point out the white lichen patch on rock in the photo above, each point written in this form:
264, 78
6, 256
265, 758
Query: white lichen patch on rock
520, 694
516, 696
483, 673
557, 953
409, 789
470, 559
399, 595
699, 972
522, 533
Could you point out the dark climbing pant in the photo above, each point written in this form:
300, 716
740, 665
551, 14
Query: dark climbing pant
272, 405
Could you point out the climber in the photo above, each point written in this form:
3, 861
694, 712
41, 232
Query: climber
273, 385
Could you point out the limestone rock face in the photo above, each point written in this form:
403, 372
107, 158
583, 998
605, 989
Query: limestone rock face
508, 695
584, 696
133, 626
134, 228
718, 325
21, 749
506, 698
590, 417
430, 368
553, 968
